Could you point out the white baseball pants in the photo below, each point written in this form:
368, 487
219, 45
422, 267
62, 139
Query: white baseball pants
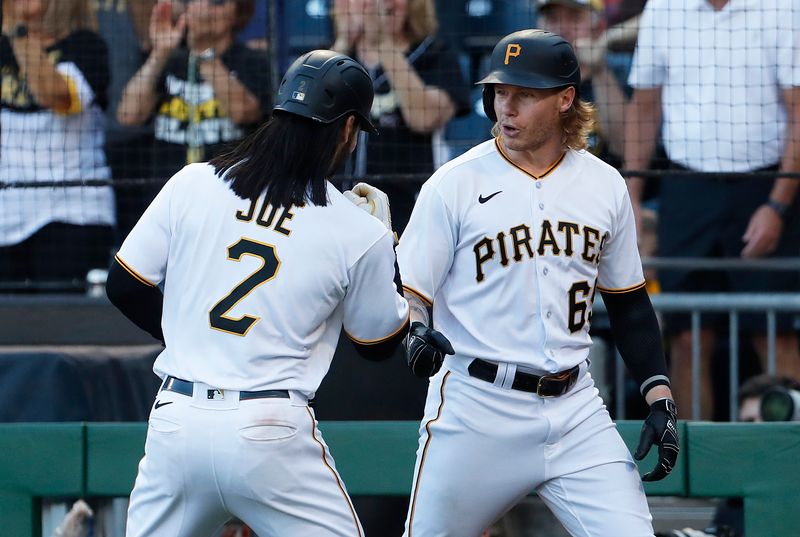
483, 447
263, 461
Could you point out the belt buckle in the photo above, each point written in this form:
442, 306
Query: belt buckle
539, 388
562, 380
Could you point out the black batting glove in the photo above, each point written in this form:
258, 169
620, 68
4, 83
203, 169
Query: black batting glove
425, 350
660, 428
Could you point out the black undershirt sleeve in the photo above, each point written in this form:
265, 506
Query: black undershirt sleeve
377, 352
140, 303
381, 351
637, 336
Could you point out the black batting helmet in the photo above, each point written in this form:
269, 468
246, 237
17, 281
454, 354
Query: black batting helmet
324, 86
530, 59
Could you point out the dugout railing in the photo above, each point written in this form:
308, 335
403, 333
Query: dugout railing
699, 304
757, 462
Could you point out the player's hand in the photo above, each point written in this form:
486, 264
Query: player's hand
763, 233
372, 200
660, 428
425, 350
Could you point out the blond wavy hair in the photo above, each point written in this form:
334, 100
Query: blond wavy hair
60, 18
421, 21
577, 123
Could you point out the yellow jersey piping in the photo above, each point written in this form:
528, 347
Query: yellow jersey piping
133, 273
335, 475
622, 289
419, 295
424, 453
547, 172
379, 340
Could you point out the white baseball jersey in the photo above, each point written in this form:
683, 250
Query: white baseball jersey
255, 296
512, 261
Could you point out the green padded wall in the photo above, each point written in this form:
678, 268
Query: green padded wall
113, 452
37, 460
760, 462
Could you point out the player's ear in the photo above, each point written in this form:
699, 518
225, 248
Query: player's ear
350, 132
565, 98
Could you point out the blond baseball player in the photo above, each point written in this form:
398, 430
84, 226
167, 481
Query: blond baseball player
508, 245
262, 264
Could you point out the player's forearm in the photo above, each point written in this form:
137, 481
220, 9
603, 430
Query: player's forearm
785, 190
237, 102
642, 121
638, 338
424, 108
656, 393
418, 310
139, 98
610, 107
47, 85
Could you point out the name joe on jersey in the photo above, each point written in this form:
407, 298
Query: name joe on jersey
518, 244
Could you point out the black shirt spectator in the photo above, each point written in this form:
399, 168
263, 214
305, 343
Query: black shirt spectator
172, 124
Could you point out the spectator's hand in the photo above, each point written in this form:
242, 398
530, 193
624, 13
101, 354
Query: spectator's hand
763, 233
591, 54
164, 34
425, 350
377, 26
75, 523
660, 428
348, 16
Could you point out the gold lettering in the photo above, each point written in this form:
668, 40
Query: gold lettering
512, 51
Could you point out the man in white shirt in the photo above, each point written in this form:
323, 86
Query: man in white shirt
723, 78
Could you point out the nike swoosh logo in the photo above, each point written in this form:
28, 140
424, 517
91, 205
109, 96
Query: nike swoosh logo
159, 404
481, 199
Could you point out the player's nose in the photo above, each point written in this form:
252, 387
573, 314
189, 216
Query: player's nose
505, 107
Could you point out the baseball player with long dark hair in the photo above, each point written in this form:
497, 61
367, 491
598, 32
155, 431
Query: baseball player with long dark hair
508, 245
262, 263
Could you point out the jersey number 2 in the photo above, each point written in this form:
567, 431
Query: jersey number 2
269, 268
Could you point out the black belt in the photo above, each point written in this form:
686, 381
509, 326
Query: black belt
545, 386
184, 387
723, 177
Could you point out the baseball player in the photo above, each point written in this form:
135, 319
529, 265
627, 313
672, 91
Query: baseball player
508, 245
262, 263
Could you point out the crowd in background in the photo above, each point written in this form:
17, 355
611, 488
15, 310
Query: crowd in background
129, 91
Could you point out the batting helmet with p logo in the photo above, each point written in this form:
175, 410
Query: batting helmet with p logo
530, 59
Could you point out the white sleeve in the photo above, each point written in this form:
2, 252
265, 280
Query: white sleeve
373, 309
428, 245
78, 86
789, 46
649, 68
145, 250
620, 267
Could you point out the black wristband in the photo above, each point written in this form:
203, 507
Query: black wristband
20, 30
778, 207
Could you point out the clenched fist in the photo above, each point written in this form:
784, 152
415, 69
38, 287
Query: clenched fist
372, 200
